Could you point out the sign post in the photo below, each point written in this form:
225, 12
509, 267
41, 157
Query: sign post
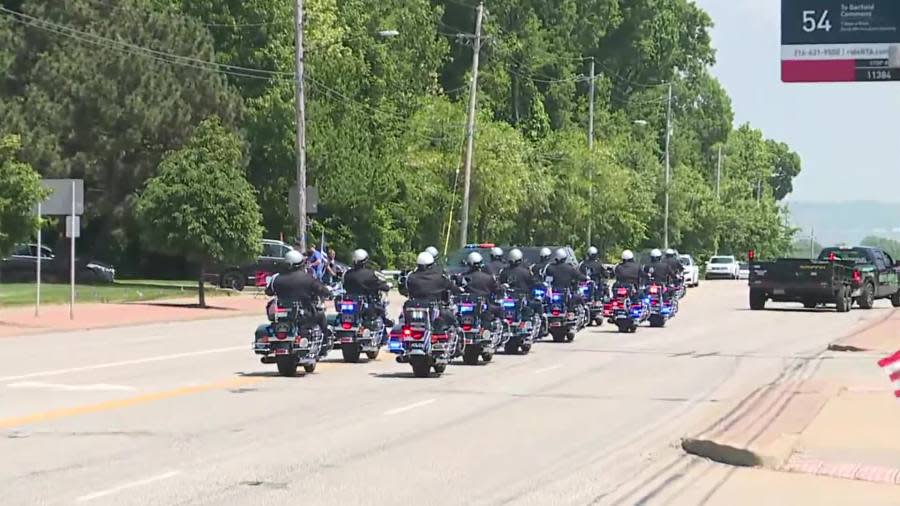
37, 302
840, 41
66, 198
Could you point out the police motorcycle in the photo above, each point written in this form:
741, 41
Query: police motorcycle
421, 343
520, 330
564, 317
595, 297
628, 307
481, 336
291, 339
660, 304
358, 327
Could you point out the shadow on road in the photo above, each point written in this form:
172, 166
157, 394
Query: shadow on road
403, 375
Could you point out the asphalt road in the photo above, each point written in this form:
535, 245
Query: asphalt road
184, 413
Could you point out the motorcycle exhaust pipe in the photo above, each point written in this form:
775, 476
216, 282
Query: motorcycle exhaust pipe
267, 360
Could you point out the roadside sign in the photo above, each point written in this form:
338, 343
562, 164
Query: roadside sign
312, 200
840, 41
76, 229
59, 202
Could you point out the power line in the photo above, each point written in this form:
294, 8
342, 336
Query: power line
198, 64
111, 43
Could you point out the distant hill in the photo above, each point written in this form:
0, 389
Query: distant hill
846, 222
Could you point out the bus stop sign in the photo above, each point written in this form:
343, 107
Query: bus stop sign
840, 41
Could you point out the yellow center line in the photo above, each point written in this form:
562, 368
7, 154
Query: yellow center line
110, 405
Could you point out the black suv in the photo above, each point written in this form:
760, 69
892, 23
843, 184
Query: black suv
270, 261
21, 266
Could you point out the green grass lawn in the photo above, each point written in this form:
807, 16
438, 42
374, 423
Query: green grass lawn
16, 294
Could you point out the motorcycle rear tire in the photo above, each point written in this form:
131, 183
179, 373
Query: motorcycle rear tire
470, 356
511, 348
351, 352
624, 328
657, 321
559, 335
420, 367
287, 366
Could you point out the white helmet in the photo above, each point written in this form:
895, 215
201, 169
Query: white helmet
592, 251
627, 255
431, 250
360, 256
560, 255
496, 253
670, 252
475, 258
656, 253
515, 255
545, 253
294, 258
425, 259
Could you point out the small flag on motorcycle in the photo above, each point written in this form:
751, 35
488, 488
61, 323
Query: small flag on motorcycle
751, 255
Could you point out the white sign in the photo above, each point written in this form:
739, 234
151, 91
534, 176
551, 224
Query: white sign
76, 228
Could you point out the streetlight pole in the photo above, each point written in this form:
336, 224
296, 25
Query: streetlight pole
300, 104
668, 168
470, 130
591, 164
718, 192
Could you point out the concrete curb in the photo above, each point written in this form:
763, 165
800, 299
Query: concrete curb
846, 470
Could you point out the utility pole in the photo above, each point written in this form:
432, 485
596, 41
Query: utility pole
470, 129
668, 168
812, 242
300, 99
591, 165
719, 174
758, 190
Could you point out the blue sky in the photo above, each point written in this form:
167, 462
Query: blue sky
841, 131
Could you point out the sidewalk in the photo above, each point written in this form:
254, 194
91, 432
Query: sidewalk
834, 416
21, 320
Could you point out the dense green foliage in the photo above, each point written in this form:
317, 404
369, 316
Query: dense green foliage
386, 118
20, 191
891, 246
199, 205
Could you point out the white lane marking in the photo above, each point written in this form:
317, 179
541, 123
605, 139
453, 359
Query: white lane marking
139, 483
547, 369
404, 409
147, 360
96, 387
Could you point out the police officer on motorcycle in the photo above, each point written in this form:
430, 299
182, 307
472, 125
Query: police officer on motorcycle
361, 280
496, 264
481, 284
428, 283
676, 269
519, 278
657, 270
544, 260
431, 250
628, 272
300, 286
563, 276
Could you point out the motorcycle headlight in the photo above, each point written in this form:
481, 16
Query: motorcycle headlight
303, 342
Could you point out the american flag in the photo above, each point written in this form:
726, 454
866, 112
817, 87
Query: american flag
891, 366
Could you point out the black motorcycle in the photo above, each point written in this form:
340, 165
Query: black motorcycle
358, 328
420, 344
292, 339
481, 336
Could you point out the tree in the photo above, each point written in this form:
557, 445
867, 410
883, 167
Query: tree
200, 205
88, 105
892, 247
786, 166
20, 191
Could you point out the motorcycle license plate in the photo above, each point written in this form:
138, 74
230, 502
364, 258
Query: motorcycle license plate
556, 324
346, 340
281, 351
417, 346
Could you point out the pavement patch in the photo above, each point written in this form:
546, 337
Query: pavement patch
723, 454
845, 348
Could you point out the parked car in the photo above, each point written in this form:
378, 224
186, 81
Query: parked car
723, 266
691, 270
237, 277
21, 266
744, 272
